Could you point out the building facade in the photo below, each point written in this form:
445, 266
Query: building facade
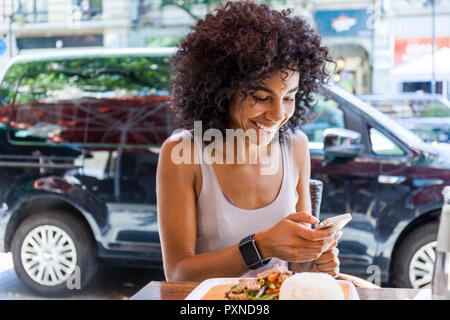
369, 39
41, 25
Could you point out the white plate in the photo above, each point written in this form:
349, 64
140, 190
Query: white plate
203, 287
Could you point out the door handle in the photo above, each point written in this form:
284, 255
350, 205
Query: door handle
391, 179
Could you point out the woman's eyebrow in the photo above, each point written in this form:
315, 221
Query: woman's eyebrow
271, 92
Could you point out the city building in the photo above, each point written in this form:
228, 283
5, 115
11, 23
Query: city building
375, 43
41, 25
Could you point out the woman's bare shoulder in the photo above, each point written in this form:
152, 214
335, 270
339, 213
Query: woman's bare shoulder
179, 148
299, 136
179, 158
299, 144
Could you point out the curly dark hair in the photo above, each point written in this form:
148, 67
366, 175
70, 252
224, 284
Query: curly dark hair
235, 47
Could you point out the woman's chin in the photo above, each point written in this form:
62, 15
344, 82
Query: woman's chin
264, 138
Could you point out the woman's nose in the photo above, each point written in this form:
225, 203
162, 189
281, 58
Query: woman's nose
276, 111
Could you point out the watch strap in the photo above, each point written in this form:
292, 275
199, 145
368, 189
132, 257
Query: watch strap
250, 253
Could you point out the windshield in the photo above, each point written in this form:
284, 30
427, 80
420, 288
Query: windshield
370, 112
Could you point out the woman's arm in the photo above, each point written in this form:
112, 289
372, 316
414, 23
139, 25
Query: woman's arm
177, 221
302, 162
328, 261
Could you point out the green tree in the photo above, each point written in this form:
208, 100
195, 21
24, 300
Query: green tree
436, 110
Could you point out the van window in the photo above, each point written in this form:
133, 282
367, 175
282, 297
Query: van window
383, 146
326, 114
410, 108
94, 102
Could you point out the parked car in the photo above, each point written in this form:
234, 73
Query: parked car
388, 178
427, 115
80, 135
79, 139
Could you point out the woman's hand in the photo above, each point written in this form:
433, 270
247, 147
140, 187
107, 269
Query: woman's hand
328, 262
292, 240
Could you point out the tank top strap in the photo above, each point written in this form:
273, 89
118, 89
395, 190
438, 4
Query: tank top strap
208, 184
288, 148
289, 163
198, 143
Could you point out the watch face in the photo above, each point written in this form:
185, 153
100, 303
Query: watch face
250, 253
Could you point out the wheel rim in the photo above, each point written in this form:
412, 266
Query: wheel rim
421, 266
48, 255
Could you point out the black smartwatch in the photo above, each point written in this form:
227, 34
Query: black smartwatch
250, 253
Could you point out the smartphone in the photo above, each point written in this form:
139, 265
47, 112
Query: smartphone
339, 221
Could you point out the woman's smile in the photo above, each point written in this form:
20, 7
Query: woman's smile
266, 107
264, 128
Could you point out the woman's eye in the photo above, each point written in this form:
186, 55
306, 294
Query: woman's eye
260, 99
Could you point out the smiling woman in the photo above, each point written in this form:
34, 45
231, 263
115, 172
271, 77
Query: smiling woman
244, 68
234, 49
267, 108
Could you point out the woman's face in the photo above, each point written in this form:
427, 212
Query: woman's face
275, 104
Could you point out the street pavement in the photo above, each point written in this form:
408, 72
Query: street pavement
110, 283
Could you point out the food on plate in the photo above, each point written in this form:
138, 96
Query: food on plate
311, 286
266, 286
278, 283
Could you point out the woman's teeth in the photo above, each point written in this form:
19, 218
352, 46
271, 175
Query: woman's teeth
263, 127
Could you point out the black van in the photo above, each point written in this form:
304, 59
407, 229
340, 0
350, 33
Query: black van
79, 142
80, 134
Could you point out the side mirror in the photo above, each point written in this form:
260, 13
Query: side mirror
341, 143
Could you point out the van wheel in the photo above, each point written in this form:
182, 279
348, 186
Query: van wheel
414, 261
54, 253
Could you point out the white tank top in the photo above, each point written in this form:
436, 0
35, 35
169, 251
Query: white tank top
221, 224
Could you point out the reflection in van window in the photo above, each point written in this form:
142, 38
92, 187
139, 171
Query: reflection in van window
326, 114
383, 146
114, 105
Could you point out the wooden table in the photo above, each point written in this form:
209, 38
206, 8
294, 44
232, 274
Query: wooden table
157, 290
